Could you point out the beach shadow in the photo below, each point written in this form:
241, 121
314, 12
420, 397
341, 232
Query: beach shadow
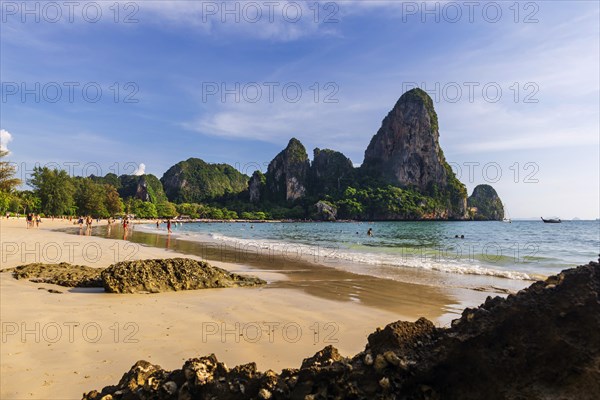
86, 290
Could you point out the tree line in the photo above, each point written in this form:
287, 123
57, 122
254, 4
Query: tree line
55, 193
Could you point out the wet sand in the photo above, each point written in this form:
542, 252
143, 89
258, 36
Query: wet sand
317, 279
56, 346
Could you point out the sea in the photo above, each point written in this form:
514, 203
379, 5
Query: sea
518, 251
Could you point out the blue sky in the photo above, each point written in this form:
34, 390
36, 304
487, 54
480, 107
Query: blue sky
541, 133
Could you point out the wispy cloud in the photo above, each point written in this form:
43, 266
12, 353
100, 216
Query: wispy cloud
276, 21
321, 125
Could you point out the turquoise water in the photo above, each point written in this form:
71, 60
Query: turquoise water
519, 250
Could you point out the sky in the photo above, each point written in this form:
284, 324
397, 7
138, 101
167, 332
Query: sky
135, 87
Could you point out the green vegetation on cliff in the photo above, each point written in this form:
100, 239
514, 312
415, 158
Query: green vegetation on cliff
404, 176
194, 180
143, 187
485, 204
420, 94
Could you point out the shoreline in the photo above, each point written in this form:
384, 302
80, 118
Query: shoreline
336, 279
267, 252
53, 352
298, 274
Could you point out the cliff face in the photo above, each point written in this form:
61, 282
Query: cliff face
330, 171
144, 187
194, 181
256, 186
287, 174
486, 204
406, 152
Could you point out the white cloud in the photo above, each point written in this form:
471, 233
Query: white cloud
141, 170
323, 125
5, 137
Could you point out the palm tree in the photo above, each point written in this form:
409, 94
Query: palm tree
7, 172
29, 201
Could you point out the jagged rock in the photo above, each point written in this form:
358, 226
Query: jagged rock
256, 186
538, 344
401, 336
331, 172
325, 211
195, 181
485, 204
325, 357
163, 275
287, 174
63, 274
406, 152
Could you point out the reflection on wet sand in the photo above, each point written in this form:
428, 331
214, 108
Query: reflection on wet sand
314, 279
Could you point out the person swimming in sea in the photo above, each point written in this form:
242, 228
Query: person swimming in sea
370, 232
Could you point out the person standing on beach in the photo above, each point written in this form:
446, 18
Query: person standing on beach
29, 220
125, 226
38, 219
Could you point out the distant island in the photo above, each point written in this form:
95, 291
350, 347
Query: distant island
404, 176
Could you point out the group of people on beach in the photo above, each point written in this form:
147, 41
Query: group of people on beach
88, 221
168, 225
33, 220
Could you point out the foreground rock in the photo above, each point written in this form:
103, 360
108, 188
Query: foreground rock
541, 343
165, 275
63, 274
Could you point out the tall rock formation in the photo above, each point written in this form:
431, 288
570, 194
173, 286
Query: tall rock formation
257, 186
331, 171
287, 174
143, 187
485, 204
195, 181
406, 152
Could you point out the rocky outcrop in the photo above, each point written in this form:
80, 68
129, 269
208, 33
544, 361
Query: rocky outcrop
256, 186
140, 276
538, 344
331, 172
163, 275
325, 211
485, 204
406, 152
144, 187
195, 181
63, 274
287, 174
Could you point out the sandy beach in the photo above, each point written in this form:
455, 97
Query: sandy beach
58, 345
